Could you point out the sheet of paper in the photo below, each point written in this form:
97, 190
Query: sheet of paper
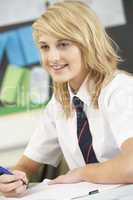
127, 198
43, 191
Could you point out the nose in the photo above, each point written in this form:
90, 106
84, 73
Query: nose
54, 55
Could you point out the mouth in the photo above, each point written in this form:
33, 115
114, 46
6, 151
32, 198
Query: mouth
59, 67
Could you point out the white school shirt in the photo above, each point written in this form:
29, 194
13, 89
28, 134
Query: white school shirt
110, 126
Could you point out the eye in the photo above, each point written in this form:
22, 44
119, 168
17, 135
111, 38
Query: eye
64, 44
44, 47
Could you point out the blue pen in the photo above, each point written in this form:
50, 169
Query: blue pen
4, 170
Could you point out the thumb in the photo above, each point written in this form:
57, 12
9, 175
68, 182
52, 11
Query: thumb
22, 176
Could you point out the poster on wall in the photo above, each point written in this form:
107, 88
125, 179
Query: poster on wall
111, 12
15, 11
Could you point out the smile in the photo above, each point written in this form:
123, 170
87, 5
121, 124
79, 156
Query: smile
59, 67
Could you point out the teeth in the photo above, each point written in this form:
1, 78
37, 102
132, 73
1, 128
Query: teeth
59, 66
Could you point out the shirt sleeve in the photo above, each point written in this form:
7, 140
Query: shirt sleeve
120, 112
43, 146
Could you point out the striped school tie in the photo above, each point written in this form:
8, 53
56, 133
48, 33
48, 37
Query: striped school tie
83, 132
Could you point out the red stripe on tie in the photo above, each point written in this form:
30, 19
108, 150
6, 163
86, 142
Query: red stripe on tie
88, 154
83, 127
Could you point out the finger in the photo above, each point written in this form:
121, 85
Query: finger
25, 179
17, 192
8, 178
11, 194
5, 188
21, 190
21, 175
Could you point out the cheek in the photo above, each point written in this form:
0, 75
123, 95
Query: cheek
76, 62
75, 56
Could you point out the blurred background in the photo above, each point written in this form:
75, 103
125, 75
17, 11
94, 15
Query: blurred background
25, 87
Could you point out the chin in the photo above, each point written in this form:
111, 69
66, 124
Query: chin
60, 80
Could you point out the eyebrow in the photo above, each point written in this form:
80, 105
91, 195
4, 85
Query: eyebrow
63, 40
42, 42
60, 40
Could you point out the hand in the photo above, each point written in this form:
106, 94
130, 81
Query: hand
13, 185
73, 176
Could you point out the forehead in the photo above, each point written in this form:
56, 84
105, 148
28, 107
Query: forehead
49, 39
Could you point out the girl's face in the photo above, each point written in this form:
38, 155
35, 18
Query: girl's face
62, 59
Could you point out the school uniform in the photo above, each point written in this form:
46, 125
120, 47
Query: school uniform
110, 125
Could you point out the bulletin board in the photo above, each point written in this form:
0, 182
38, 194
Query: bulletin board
20, 69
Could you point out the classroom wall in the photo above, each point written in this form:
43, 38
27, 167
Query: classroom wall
123, 36
15, 132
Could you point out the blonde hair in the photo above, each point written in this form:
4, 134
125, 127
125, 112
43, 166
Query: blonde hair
75, 21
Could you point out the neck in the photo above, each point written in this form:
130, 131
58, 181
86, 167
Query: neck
76, 84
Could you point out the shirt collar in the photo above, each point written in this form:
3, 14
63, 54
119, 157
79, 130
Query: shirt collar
82, 94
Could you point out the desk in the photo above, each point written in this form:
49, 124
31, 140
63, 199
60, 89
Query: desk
121, 193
